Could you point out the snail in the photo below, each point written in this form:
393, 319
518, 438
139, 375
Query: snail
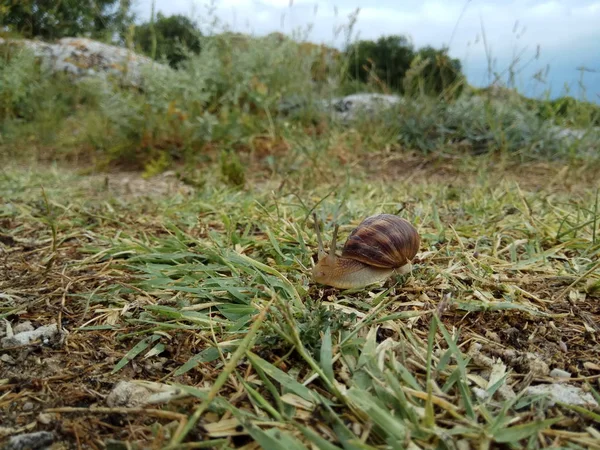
379, 246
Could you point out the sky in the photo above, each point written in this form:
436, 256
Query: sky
554, 38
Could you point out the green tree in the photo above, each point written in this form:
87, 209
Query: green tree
51, 19
172, 34
385, 60
434, 72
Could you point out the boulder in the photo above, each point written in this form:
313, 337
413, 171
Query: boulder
82, 57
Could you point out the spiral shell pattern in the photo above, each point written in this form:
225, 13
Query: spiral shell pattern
384, 240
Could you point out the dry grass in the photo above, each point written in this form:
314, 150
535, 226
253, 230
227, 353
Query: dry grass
206, 293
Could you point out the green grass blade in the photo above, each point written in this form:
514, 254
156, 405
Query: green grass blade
135, 351
513, 435
284, 379
326, 357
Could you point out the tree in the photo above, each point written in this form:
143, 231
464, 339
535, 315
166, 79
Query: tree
172, 33
386, 60
434, 72
51, 19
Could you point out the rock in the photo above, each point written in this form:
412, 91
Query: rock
570, 133
559, 373
23, 326
127, 394
563, 393
493, 336
45, 418
537, 366
6, 358
28, 406
591, 366
294, 103
345, 108
139, 392
26, 337
353, 106
82, 58
588, 139
30, 441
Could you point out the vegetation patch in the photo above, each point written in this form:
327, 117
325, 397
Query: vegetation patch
157, 241
208, 291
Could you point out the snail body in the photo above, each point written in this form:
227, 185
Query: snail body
378, 247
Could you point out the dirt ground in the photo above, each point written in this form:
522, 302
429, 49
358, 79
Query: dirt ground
52, 385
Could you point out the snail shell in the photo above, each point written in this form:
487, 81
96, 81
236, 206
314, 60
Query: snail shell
376, 248
383, 240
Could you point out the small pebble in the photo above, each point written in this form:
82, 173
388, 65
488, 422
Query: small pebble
38, 440
26, 337
28, 406
562, 346
7, 358
563, 393
591, 366
22, 327
481, 394
492, 336
559, 373
44, 418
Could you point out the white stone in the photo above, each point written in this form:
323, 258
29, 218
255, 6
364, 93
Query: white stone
559, 373
83, 57
26, 337
563, 393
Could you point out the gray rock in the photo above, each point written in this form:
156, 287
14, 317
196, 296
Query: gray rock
353, 106
29, 441
344, 109
83, 58
127, 394
6, 358
569, 133
559, 373
28, 406
23, 326
26, 337
563, 393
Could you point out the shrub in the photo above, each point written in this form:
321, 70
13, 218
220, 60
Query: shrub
433, 72
226, 94
19, 83
175, 36
569, 110
391, 62
52, 20
383, 61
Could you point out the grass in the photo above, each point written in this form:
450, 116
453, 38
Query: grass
209, 292
188, 276
229, 99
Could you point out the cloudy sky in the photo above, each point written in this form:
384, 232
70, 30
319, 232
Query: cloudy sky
566, 31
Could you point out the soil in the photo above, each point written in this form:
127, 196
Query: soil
74, 370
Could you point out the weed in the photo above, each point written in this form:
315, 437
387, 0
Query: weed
232, 169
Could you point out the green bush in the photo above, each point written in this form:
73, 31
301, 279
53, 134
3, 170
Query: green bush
226, 94
571, 111
175, 36
391, 62
482, 125
50, 19
232, 92
383, 61
20, 82
433, 72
